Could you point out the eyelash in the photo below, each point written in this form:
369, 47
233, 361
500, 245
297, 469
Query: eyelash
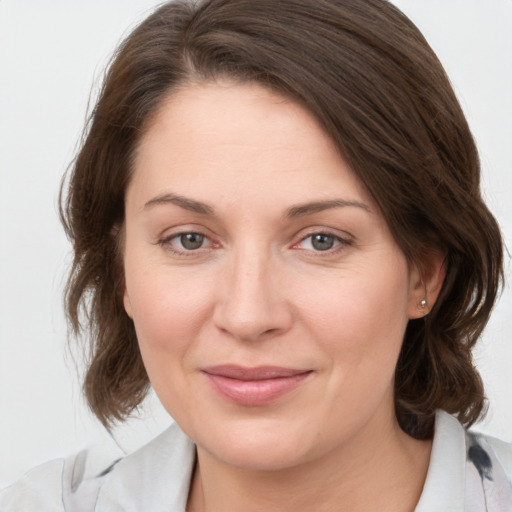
341, 243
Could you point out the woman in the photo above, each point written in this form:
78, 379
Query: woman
277, 224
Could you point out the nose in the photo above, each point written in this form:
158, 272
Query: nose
252, 302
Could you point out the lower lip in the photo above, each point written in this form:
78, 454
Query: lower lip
255, 392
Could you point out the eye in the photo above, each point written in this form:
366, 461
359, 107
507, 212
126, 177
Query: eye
186, 242
321, 242
190, 241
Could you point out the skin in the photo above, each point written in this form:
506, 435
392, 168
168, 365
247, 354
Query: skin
257, 291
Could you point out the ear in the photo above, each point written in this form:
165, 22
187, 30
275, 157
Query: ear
127, 303
118, 232
426, 281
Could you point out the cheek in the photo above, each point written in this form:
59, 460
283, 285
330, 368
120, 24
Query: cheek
360, 318
168, 310
168, 314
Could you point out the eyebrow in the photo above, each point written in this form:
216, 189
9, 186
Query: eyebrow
183, 202
300, 210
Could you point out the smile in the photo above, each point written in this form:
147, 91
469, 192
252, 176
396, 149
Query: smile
254, 386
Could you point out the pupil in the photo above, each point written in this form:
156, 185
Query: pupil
322, 242
192, 240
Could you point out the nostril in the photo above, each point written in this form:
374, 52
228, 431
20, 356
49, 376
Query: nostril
260, 328
248, 304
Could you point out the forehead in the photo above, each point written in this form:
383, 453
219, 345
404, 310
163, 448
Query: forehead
221, 135
232, 113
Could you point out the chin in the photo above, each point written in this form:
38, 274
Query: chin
255, 446
258, 456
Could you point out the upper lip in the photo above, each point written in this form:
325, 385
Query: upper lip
252, 373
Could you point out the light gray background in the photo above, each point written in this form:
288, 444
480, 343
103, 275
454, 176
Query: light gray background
51, 54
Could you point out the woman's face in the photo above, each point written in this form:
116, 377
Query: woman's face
269, 298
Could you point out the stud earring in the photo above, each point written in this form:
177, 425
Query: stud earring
423, 304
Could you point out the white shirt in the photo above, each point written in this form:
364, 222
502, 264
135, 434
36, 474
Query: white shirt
467, 473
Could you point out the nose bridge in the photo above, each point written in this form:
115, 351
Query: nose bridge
250, 304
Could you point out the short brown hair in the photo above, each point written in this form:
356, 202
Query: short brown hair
366, 72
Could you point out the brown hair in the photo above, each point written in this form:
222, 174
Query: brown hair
366, 72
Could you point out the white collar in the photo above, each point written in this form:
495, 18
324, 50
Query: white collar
157, 477
444, 488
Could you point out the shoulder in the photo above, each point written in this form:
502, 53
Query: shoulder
479, 449
40, 489
488, 472
60, 484
503, 453
467, 470
93, 480
499, 453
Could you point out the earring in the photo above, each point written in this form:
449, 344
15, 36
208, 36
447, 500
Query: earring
423, 304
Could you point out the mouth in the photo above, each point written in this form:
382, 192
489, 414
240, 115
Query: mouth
254, 386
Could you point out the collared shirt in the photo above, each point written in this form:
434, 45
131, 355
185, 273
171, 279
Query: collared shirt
468, 472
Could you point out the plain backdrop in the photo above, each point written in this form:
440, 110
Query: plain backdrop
52, 55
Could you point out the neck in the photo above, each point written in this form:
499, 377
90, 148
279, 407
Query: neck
380, 469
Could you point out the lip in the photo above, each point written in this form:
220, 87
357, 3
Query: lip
254, 386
